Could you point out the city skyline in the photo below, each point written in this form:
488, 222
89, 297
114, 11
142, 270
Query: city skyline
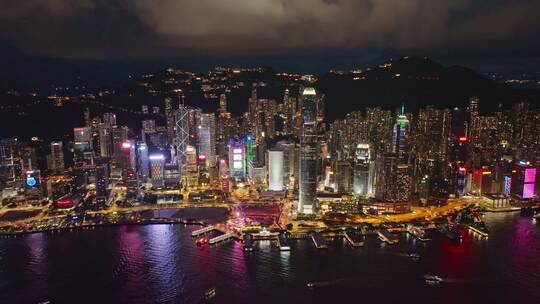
270, 151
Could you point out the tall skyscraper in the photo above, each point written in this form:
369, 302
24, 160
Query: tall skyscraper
275, 170
57, 157
207, 138
237, 158
10, 164
400, 137
363, 170
308, 152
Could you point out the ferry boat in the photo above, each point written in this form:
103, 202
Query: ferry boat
432, 279
202, 241
417, 232
310, 285
414, 256
210, 294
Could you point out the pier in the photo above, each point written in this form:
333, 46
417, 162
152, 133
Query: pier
355, 239
418, 233
319, 240
220, 238
387, 237
482, 232
202, 231
283, 242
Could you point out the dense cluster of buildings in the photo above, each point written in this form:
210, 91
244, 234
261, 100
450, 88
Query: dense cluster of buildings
384, 160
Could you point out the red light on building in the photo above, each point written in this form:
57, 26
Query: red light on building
202, 157
462, 169
64, 203
462, 139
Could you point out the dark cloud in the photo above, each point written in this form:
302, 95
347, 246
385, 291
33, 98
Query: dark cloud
175, 28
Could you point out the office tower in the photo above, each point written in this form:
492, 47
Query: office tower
171, 176
308, 152
83, 149
363, 170
119, 136
170, 120
343, 175
523, 180
102, 181
149, 126
275, 170
379, 130
223, 103
207, 139
109, 119
400, 137
10, 164
192, 172
237, 158
182, 137
128, 160
473, 128
57, 157
105, 141
157, 165
250, 157
290, 160
143, 166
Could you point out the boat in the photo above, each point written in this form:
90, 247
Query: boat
310, 285
414, 256
210, 293
479, 228
537, 215
202, 241
432, 279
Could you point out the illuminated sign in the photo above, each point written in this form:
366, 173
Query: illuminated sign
530, 175
237, 165
202, 157
462, 139
126, 145
507, 185
31, 181
237, 151
156, 157
237, 157
462, 169
486, 173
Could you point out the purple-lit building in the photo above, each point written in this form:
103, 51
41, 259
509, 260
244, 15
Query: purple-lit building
523, 181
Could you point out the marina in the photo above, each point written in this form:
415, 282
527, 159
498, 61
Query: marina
387, 237
354, 238
417, 232
319, 240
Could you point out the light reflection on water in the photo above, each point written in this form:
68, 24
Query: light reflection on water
162, 264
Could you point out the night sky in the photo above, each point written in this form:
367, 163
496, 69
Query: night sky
110, 37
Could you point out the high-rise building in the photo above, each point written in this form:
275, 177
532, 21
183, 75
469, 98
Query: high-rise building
207, 138
157, 165
400, 137
523, 180
223, 103
105, 141
182, 138
237, 158
363, 170
143, 166
10, 164
473, 126
275, 170
308, 153
57, 157
109, 119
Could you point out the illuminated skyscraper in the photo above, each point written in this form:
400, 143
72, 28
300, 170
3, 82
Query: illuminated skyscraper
237, 158
363, 170
57, 157
308, 152
207, 138
523, 180
182, 138
157, 166
10, 164
275, 170
400, 137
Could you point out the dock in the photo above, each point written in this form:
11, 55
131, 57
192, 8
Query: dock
417, 232
354, 238
202, 231
387, 237
220, 238
248, 242
482, 232
319, 240
283, 242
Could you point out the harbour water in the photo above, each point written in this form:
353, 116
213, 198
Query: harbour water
162, 264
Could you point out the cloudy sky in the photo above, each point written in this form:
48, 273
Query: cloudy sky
143, 29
